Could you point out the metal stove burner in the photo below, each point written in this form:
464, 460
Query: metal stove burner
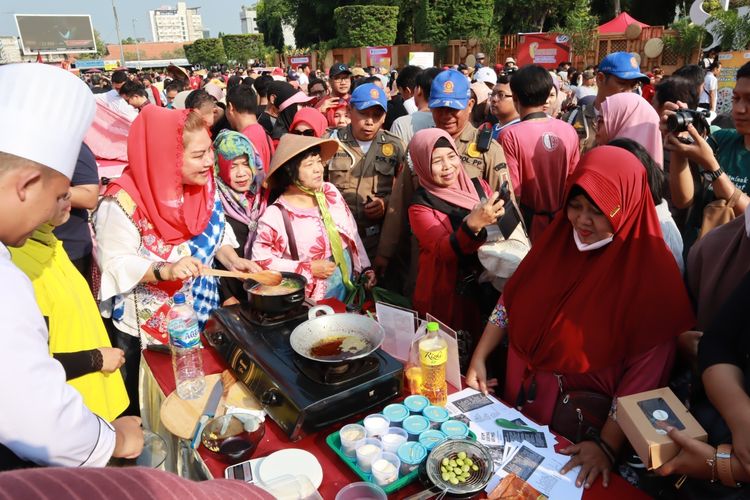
259, 318
337, 373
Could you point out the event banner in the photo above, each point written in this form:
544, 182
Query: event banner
379, 56
730, 63
546, 49
297, 61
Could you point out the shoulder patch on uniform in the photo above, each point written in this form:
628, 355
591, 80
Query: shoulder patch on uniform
473, 151
387, 149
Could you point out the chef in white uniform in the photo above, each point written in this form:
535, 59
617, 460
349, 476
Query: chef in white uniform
46, 113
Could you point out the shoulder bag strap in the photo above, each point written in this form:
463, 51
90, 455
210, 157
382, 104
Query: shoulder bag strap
289, 231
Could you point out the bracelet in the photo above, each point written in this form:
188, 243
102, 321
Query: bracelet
156, 268
711, 462
724, 465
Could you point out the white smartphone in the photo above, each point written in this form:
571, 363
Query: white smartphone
241, 472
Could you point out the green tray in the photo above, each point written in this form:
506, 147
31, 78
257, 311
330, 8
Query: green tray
334, 442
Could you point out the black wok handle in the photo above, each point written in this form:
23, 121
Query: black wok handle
294, 297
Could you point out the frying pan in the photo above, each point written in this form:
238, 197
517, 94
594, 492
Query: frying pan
322, 329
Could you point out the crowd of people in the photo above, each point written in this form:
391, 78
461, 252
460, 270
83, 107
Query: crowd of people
628, 187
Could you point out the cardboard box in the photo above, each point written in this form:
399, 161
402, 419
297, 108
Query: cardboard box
642, 418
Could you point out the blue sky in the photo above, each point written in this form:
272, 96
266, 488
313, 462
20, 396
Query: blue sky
218, 15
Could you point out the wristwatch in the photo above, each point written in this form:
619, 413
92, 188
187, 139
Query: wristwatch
157, 267
712, 176
724, 465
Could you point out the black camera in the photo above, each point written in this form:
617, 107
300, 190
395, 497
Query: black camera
679, 121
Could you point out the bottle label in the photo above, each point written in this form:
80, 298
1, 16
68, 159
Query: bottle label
433, 358
184, 336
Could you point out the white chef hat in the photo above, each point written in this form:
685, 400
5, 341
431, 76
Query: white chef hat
46, 114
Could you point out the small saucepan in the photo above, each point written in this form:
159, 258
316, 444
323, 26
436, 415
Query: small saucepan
278, 299
336, 338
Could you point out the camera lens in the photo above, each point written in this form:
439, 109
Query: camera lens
679, 122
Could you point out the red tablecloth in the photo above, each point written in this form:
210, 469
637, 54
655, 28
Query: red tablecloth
335, 474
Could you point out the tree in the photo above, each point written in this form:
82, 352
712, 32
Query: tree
366, 25
271, 15
734, 29
580, 25
689, 38
205, 52
129, 41
241, 48
101, 48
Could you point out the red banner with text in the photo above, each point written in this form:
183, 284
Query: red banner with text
545, 49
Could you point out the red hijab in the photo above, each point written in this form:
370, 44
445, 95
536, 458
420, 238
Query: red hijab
462, 193
331, 112
578, 312
312, 118
153, 177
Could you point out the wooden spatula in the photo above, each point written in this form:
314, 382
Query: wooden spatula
270, 278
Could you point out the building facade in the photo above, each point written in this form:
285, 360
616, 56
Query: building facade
248, 20
176, 24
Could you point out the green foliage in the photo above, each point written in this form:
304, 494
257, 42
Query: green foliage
366, 25
101, 48
734, 29
270, 16
443, 20
240, 48
580, 25
205, 52
129, 41
524, 16
689, 38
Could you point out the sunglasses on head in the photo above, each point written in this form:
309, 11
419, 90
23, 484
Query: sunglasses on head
309, 132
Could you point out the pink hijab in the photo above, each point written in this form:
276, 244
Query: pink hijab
630, 116
462, 192
313, 118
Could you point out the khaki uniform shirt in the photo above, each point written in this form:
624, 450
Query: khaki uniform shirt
358, 175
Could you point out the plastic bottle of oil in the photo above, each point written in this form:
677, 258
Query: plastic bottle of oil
433, 356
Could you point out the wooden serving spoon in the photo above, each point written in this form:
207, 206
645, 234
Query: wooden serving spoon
270, 278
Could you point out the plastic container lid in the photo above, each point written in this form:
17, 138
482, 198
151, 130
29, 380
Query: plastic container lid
179, 298
431, 438
291, 488
455, 429
396, 412
416, 403
416, 424
433, 326
412, 453
361, 491
436, 413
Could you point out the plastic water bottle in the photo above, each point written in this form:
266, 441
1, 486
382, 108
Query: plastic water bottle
433, 356
185, 344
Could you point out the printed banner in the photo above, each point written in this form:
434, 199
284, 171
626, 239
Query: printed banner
297, 61
379, 56
546, 49
730, 63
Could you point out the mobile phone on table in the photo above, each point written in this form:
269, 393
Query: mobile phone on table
241, 472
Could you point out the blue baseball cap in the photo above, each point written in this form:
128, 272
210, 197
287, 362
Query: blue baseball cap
450, 89
622, 65
368, 95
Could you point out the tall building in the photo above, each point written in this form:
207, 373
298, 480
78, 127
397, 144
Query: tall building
248, 20
176, 24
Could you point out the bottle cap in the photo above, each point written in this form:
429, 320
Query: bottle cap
179, 298
433, 326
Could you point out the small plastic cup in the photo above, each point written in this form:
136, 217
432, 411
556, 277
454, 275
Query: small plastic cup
396, 413
436, 415
416, 403
411, 455
369, 451
376, 424
431, 438
394, 438
385, 469
352, 436
454, 429
361, 491
416, 425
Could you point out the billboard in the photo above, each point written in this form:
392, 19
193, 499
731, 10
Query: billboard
730, 63
379, 56
545, 49
55, 34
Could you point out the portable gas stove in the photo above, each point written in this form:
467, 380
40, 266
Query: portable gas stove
300, 395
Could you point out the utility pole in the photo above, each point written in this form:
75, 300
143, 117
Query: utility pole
137, 48
119, 38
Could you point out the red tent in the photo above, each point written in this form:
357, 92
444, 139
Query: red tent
618, 24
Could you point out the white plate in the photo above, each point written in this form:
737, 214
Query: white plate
301, 462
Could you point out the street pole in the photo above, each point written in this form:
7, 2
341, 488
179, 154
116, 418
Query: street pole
137, 48
119, 38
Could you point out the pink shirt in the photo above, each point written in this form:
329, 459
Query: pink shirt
540, 156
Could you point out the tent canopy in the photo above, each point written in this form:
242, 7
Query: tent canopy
618, 24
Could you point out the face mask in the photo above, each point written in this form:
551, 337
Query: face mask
587, 247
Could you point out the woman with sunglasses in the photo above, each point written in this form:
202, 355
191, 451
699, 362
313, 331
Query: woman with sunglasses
309, 122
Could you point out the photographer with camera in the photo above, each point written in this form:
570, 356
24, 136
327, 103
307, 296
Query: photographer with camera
723, 158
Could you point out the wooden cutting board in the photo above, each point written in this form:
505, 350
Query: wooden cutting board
180, 416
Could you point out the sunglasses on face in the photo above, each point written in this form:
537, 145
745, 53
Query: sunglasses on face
309, 132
